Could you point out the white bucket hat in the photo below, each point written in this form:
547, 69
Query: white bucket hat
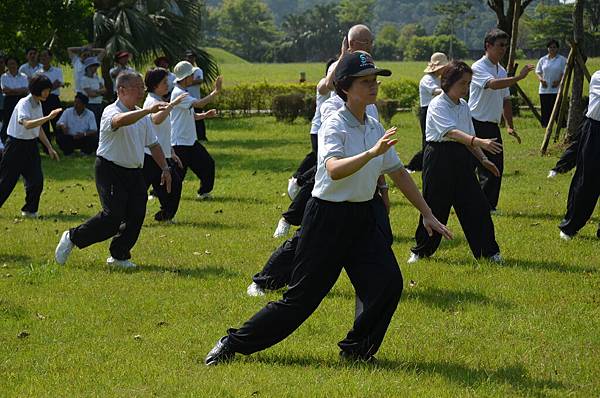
437, 62
182, 70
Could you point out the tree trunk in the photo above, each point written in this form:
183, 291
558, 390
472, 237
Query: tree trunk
504, 16
576, 104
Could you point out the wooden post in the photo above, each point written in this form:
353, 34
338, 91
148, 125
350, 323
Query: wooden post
513, 38
563, 106
557, 104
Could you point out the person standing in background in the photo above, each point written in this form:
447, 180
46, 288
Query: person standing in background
122, 59
55, 75
14, 87
32, 66
194, 90
78, 55
549, 70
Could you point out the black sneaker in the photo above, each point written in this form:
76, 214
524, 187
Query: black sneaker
220, 353
355, 357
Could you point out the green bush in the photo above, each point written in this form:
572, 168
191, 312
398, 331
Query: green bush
286, 108
249, 98
387, 109
405, 91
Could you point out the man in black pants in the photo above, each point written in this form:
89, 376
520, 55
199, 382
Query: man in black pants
489, 100
124, 132
585, 185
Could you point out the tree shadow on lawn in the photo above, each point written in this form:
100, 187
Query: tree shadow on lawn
204, 272
17, 259
513, 374
542, 265
253, 144
196, 224
229, 199
531, 215
256, 163
449, 300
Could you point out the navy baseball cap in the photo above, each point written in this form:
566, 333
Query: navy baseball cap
357, 64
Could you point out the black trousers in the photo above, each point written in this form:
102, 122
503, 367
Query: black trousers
277, 271
122, 193
197, 158
568, 159
333, 236
67, 143
22, 158
449, 181
51, 103
10, 102
293, 215
490, 184
201, 130
169, 202
97, 111
416, 163
585, 185
547, 104
305, 171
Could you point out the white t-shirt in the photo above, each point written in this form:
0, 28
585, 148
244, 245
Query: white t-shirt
27, 109
594, 105
316, 120
163, 130
125, 145
78, 72
183, 126
342, 136
93, 83
76, 123
13, 82
29, 70
486, 104
195, 89
54, 73
443, 115
335, 103
429, 82
551, 69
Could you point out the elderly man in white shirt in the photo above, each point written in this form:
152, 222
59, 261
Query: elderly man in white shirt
585, 185
340, 228
78, 128
125, 131
489, 99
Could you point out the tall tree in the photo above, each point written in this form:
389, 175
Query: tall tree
451, 12
576, 103
505, 13
352, 12
149, 28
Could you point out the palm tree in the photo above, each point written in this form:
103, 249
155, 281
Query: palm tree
149, 28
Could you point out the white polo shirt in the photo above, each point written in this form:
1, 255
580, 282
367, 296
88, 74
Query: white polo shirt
335, 103
163, 130
429, 82
125, 145
316, 120
29, 70
27, 109
342, 136
77, 123
195, 89
78, 72
13, 82
486, 104
54, 73
551, 69
594, 105
443, 115
183, 126
93, 83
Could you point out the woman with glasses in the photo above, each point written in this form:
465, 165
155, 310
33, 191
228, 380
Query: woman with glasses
549, 70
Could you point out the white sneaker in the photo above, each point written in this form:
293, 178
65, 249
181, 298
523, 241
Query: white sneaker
204, 196
283, 227
496, 258
125, 264
564, 236
63, 249
150, 197
413, 258
552, 174
409, 171
254, 290
293, 188
28, 214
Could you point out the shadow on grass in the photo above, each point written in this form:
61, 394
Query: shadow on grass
17, 259
531, 215
516, 375
195, 224
256, 163
206, 272
229, 199
250, 144
445, 244
78, 218
552, 266
449, 300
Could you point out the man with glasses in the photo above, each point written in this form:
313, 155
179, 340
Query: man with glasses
489, 100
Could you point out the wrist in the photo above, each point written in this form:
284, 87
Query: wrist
473, 138
166, 169
483, 158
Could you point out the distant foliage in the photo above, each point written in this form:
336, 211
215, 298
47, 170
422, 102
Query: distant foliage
404, 91
248, 98
421, 48
286, 108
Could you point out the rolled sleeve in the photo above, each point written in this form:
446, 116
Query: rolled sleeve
150, 138
106, 120
481, 77
439, 122
333, 141
24, 111
391, 162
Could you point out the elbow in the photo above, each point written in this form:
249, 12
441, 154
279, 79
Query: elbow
334, 174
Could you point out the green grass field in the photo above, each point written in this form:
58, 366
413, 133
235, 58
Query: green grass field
529, 327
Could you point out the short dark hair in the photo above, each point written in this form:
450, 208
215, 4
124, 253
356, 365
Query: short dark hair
12, 57
344, 84
493, 35
47, 50
30, 49
153, 78
39, 83
551, 42
82, 97
453, 72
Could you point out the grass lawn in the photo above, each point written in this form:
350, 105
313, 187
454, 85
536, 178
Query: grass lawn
529, 327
